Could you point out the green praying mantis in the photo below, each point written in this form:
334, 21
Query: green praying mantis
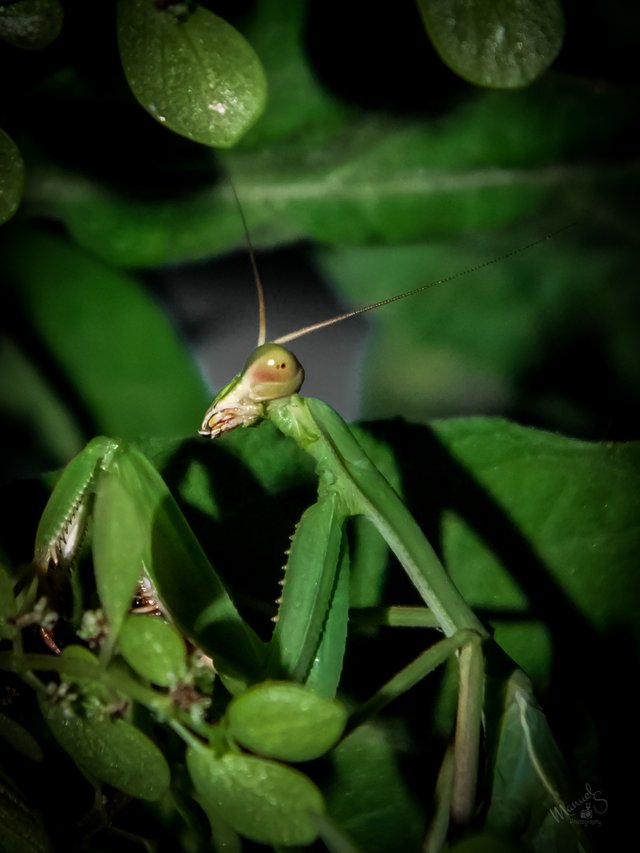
139, 534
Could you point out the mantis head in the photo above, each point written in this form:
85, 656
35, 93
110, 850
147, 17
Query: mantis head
271, 372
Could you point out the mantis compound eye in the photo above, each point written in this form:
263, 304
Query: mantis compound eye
271, 372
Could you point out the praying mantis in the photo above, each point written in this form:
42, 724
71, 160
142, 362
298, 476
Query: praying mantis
138, 531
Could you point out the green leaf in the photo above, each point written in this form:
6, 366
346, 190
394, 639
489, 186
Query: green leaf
30, 24
7, 602
285, 721
529, 778
22, 828
191, 70
574, 501
25, 390
181, 573
368, 795
498, 43
380, 179
19, 738
298, 102
153, 648
110, 750
262, 800
11, 172
111, 342
485, 843
498, 339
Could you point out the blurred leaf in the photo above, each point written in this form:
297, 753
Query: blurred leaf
30, 24
487, 342
109, 339
262, 800
497, 43
485, 843
11, 172
298, 103
110, 750
191, 70
23, 391
381, 816
22, 829
7, 602
529, 778
540, 534
153, 648
285, 721
577, 503
19, 738
382, 179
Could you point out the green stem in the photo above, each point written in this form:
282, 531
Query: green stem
409, 676
392, 617
75, 668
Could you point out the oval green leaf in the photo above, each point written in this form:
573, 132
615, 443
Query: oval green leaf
260, 799
153, 648
191, 70
112, 751
502, 44
11, 176
31, 24
284, 720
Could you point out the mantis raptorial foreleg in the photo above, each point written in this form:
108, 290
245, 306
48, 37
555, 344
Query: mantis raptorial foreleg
138, 530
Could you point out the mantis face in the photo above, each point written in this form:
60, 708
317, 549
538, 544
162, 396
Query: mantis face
271, 372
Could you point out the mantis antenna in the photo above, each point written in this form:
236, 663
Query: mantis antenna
314, 327
262, 317
298, 333
272, 372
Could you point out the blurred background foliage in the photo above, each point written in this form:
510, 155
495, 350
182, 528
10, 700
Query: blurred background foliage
373, 168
